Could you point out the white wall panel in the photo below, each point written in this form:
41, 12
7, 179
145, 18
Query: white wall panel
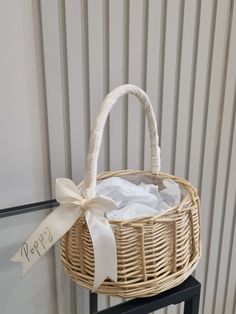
52, 42
136, 24
155, 36
117, 74
58, 114
24, 170
227, 256
201, 81
169, 82
220, 172
97, 73
186, 81
27, 161
211, 142
24, 157
76, 58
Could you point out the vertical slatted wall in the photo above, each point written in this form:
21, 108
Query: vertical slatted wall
182, 53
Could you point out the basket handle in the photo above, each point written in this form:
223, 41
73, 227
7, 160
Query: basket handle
96, 136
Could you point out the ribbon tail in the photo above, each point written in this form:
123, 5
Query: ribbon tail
53, 227
104, 247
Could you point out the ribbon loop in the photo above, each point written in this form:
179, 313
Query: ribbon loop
58, 222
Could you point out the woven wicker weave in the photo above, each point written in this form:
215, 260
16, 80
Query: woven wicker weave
153, 254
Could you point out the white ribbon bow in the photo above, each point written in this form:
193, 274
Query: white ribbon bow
57, 223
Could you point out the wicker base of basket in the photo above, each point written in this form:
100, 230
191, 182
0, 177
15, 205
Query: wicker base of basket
153, 254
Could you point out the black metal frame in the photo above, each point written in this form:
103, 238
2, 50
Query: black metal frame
188, 291
23, 209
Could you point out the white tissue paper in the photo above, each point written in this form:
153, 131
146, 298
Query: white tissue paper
138, 201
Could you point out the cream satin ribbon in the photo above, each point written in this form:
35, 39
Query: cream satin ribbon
58, 222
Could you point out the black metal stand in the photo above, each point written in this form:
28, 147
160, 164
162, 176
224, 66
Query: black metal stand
188, 292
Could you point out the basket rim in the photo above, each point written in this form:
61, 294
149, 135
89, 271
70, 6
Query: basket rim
187, 198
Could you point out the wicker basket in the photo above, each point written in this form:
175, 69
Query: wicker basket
153, 254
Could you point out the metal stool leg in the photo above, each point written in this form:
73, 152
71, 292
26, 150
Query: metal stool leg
191, 306
93, 302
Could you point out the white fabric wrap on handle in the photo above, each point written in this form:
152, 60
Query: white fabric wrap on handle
92, 206
96, 137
